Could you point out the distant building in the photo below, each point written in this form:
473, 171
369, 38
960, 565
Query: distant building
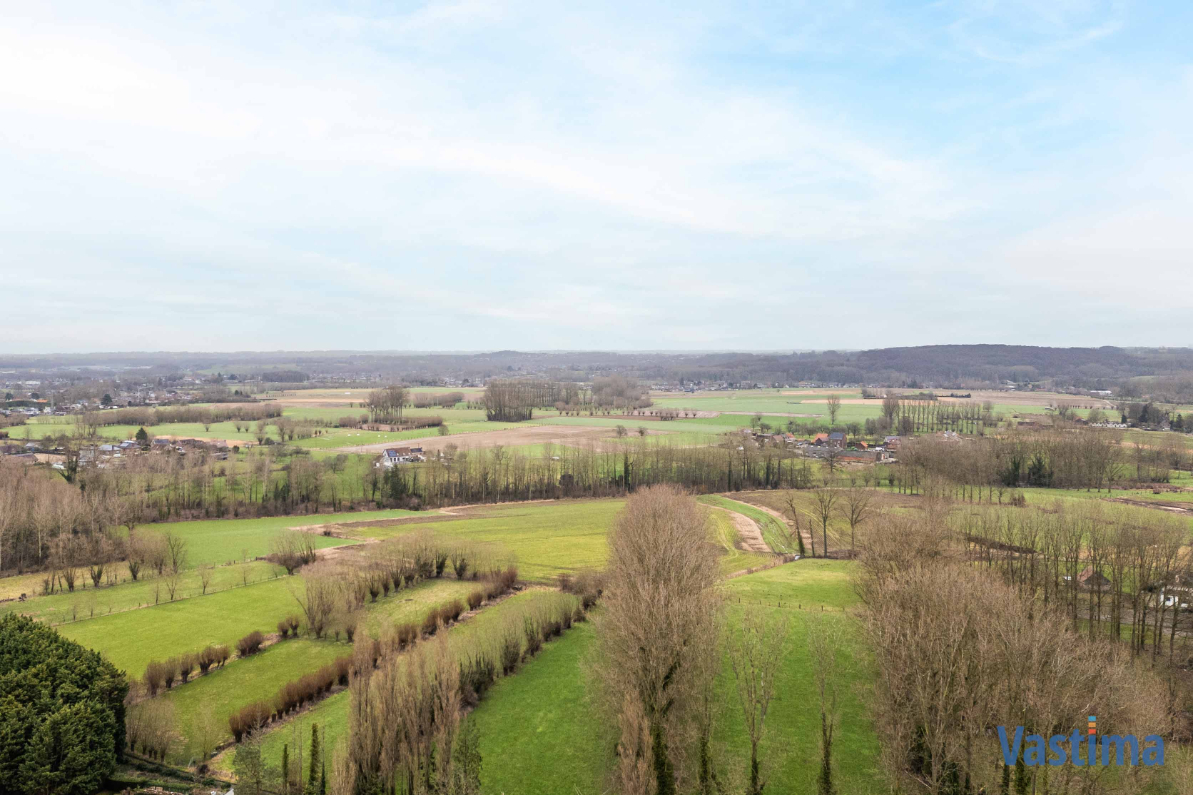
1091, 579
837, 439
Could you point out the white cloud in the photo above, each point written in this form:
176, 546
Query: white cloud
603, 176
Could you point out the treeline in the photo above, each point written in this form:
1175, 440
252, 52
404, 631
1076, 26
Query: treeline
1076, 458
46, 521
1115, 572
404, 730
498, 475
515, 399
422, 400
207, 415
961, 652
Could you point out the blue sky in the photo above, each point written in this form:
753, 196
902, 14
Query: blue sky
479, 175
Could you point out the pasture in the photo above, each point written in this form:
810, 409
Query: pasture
544, 538
332, 713
242, 682
543, 731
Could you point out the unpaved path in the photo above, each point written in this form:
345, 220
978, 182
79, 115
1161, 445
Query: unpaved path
1172, 507
804, 532
748, 532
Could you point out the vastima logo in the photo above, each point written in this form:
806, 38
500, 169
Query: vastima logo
1114, 749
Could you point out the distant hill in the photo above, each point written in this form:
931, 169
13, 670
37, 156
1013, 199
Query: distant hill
924, 366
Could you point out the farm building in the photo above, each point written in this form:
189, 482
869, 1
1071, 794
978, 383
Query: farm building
393, 456
1093, 580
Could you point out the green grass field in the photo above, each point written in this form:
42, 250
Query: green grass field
332, 713
220, 541
542, 732
242, 682
133, 638
546, 538
88, 603
239, 683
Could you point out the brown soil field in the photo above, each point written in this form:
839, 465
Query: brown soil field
845, 401
1031, 399
772, 413
531, 434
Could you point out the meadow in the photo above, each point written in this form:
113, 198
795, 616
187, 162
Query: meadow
543, 731
135, 637
225, 541
257, 678
331, 714
545, 538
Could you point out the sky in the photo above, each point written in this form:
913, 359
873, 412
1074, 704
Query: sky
474, 175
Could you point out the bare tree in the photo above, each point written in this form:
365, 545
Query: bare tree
659, 620
172, 579
754, 655
176, 551
823, 642
834, 407
205, 573
319, 600
293, 549
831, 456
856, 510
824, 501
890, 407
794, 510
635, 758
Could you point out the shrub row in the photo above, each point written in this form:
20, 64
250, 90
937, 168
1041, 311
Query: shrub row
516, 644
162, 674
441, 617
288, 627
588, 585
250, 644
290, 697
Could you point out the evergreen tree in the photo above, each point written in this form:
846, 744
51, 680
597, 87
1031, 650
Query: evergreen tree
286, 769
1022, 779
467, 758
316, 757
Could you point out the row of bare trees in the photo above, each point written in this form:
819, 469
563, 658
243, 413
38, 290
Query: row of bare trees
959, 652
207, 415
1115, 571
1073, 458
405, 732
663, 636
499, 475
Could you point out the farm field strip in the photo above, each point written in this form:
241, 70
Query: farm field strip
773, 532
548, 713
546, 538
242, 682
332, 713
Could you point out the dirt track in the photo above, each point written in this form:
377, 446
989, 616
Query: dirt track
806, 536
748, 532
1172, 507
